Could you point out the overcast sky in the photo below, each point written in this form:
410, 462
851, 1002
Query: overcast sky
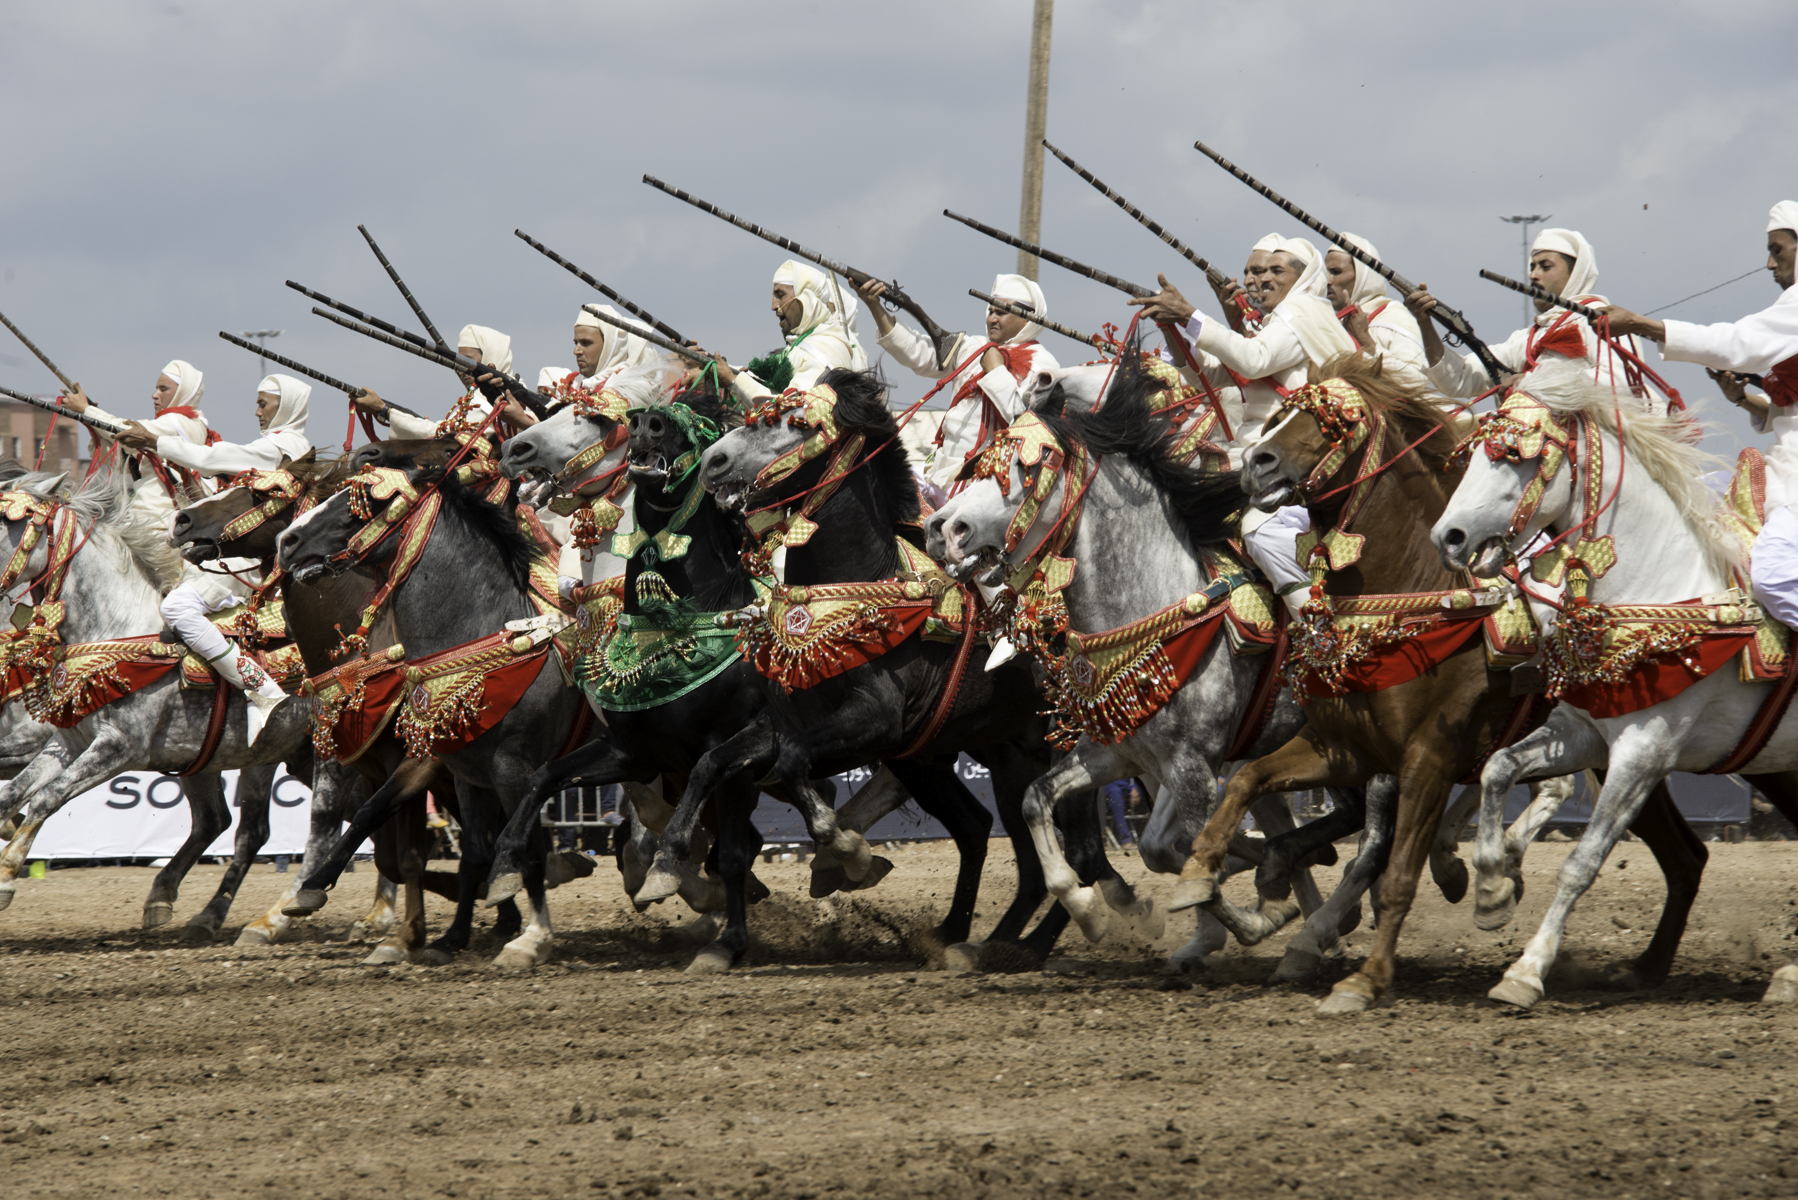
168, 165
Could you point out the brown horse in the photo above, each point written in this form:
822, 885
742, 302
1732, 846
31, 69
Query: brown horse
1322, 449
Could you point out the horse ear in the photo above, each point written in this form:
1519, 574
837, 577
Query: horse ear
49, 487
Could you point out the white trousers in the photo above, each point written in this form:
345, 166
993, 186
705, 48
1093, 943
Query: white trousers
1775, 569
1273, 544
185, 609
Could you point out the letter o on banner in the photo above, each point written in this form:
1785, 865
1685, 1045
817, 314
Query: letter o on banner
288, 802
156, 787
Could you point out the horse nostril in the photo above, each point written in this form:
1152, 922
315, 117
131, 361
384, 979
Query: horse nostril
182, 522
959, 530
1263, 460
1454, 537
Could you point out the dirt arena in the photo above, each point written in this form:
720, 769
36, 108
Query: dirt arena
833, 1065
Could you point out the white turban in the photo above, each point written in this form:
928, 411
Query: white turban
495, 347
1307, 307
190, 385
616, 347
1022, 291
1784, 216
550, 377
290, 414
1313, 279
824, 303
1368, 285
1270, 242
1584, 277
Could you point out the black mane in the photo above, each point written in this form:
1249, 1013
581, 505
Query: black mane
497, 523
862, 408
1208, 502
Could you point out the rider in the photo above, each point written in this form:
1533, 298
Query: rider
487, 346
1300, 329
1372, 319
1764, 344
159, 489
600, 352
817, 318
1562, 261
281, 412
1010, 342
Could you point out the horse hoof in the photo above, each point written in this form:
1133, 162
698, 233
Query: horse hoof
1784, 987
565, 866
1450, 875
7, 891
1191, 893
1623, 977
658, 885
158, 913
1298, 967
254, 935
1515, 992
715, 959
827, 879
433, 956
385, 954
851, 850
524, 952
199, 932
963, 958
1340, 1003
502, 888
305, 902
1089, 912
755, 891
1495, 903
878, 869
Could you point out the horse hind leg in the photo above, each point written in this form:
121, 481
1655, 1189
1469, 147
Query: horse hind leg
1447, 867
1306, 950
206, 802
400, 855
1782, 792
1681, 857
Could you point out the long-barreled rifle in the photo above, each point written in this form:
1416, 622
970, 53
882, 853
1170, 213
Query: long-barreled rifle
30, 345
50, 406
417, 310
347, 389
1018, 310
1134, 290
1541, 293
1218, 280
654, 339
666, 330
538, 405
385, 326
1452, 320
941, 338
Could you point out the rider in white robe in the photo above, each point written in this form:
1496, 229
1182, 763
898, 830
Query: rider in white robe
487, 346
600, 352
1301, 329
1355, 288
1764, 344
989, 391
176, 401
816, 311
281, 403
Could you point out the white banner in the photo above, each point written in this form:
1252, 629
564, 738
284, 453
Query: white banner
144, 815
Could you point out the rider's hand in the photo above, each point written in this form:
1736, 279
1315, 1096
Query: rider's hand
370, 402
76, 399
136, 437
1166, 305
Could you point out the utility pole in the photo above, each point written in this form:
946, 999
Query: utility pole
1036, 121
261, 336
1529, 308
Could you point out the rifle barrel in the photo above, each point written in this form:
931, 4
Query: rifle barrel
405, 291
1060, 260
51, 406
1541, 293
41, 356
666, 330
1217, 277
654, 339
365, 318
290, 364
1018, 310
462, 366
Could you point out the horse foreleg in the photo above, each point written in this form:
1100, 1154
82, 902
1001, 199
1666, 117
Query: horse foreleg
1562, 745
536, 941
753, 750
942, 795
412, 778
1322, 929
107, 755
254, 787
1781, 791
400, 857
54, 757
1681, 857
882, 794
738, 844
210, 817
335, 788
1087, 767
599, 762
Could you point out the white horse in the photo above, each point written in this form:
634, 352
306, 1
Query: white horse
1646, 509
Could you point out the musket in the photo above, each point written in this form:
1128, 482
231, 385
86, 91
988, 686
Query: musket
654, 339
347, 389
1018, 310
365, 318
894, 295
1452, 320
50, 406
405, 291
462, 366
1061, 260
41, 356
666, 330
1216, 277
1542, 293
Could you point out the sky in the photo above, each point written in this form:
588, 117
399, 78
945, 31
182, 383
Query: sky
167, 166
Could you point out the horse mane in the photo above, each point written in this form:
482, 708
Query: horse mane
862, 408
1665, 447
1207, 502
497, 524
104, 501
1406, 406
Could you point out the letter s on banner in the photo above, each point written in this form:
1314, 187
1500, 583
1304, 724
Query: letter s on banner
124, 785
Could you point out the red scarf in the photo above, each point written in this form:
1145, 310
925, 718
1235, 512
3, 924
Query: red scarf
192, 414
1782, 383
1563, 337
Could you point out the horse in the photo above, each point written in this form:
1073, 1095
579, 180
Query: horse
111, 582
1645, 689
852, 687
473, 550
1391, 653
1149, 534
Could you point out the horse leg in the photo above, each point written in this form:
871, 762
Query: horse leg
481, 817
1086, 767
412, 778
1274, 816
107, 755
536, 941
1546, 798
1681, 857
753, 749
1638, 760
846, 847
1781, 790
881, 795
600, 761
335, 787
1293, 847
205, 794
1562, 744
1322, 929
255, 784
53, 758
941, 794
738, 844
1002, 950
1446, 865
400, 856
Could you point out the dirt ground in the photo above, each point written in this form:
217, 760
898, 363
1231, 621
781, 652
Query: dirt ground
832, 1064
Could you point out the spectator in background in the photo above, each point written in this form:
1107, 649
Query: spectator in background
1120, 797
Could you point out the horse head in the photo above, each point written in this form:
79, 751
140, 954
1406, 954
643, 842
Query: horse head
351, 526
785, 441
1518, 482
28, 507
983, 530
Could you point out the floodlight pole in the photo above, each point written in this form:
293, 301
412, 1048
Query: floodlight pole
1529, 314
